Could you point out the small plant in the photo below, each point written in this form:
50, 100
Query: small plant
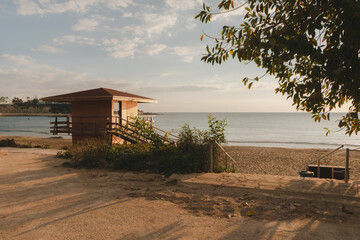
220, 168
216, 129
142, 130
27, 145
8, 143
65, 155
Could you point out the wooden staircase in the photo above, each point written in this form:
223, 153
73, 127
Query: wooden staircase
131, 132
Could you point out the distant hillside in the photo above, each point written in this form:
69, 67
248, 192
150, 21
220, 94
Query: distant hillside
35, 108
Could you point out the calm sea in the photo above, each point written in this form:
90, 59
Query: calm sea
246, 129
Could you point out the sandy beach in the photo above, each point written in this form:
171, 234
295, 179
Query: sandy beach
40, 199
250, 160
52, 142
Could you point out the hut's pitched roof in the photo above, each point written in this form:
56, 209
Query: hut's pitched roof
98, 94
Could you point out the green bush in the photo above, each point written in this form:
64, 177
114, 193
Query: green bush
8, 143
190, 154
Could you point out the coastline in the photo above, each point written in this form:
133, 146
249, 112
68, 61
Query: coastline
33, 114
49, 142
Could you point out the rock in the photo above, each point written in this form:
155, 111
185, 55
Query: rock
228, 215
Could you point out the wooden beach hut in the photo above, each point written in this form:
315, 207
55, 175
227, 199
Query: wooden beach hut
95, 112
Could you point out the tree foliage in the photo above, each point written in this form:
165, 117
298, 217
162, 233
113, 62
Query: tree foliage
310, 46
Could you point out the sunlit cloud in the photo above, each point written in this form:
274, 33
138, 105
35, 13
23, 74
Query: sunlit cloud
91, 24
72, 39
42, 7
44, 80
49, 49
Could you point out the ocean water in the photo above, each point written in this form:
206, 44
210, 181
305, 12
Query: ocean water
297, 130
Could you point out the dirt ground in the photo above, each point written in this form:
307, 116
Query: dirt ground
249, 160
40, 199
52, 142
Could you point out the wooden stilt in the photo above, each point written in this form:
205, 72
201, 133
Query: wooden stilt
211, 157
347, 166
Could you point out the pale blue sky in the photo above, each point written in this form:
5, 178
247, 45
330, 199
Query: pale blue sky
147, 47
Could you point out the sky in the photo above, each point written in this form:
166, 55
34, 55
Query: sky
147, 47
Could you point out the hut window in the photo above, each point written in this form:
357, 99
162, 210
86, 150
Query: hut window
116, 108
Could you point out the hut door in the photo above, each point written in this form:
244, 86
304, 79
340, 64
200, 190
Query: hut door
120, 112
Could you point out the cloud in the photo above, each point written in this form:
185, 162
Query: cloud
128, 14
183, 5
166, 74
153, 49
19, 59
185, 88
121, 49
41, 7
190, 23
90, 24
23, 76
229, 15
186, 53
71, 39
117, 48
154, 23
49, 49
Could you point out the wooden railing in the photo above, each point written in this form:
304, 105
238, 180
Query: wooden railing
100, 125
61, 126
129, 129
227, 156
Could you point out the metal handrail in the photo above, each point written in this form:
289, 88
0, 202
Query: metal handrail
327, 154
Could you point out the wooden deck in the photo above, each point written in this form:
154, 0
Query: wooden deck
101, 126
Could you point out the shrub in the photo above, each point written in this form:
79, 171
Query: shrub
65, 155
8, 143
191, 154
91, 154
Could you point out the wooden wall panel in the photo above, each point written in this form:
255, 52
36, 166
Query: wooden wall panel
89, 119
129, 109
92, 108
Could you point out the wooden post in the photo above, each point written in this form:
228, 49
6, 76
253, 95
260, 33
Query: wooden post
347, 166
211, 157
332, 167
68, 124
55, 126
226, 161
94, 126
